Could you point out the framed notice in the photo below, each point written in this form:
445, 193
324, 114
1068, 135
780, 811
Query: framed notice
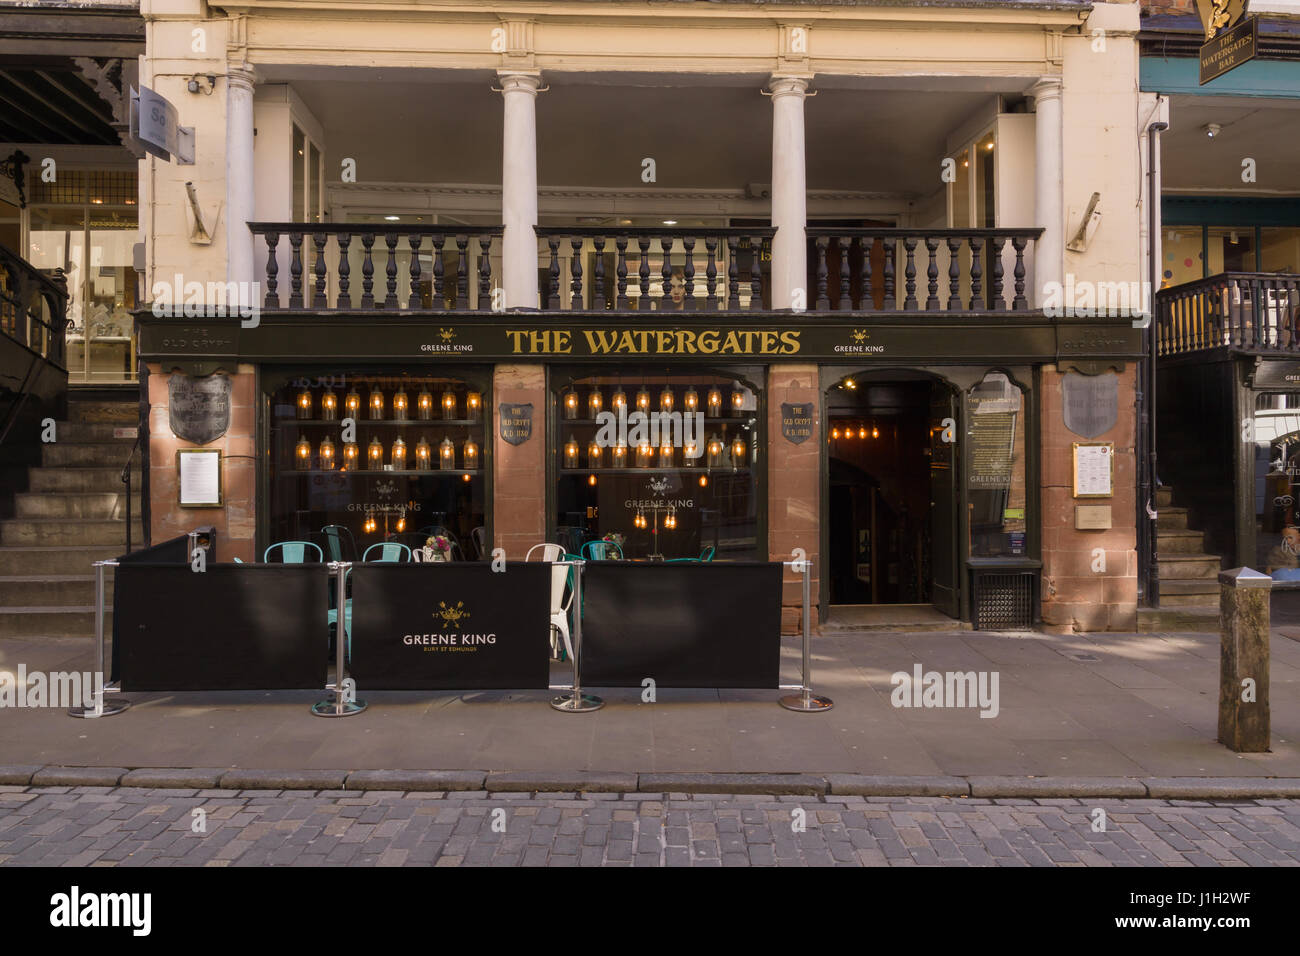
200, 477
1094, 469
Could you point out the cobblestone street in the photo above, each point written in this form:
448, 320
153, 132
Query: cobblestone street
100, 826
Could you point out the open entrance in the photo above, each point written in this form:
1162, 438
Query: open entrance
891, 512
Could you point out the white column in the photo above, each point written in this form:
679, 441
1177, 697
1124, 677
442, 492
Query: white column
789, 192
239, 180
1049, 187
519, 189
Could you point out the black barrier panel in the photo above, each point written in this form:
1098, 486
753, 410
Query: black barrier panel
715, 624
231, 627
451, 625
172, 551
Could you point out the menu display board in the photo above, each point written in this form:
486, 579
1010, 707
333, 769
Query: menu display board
200, 477
1094, 469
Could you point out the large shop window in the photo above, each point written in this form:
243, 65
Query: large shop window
1277, 484
664, 463
412, 469
995, 472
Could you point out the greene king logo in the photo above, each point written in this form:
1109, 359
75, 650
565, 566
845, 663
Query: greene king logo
75, 909
451, 616
54, 689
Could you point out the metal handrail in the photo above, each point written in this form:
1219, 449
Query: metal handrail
126, 480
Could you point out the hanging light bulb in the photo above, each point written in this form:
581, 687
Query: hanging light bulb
369, 526
473, 406
352, 404
704, 481
643, 454
737, 452
862, 432
302, 454
424, 405
670, 521
304, 404
691, 399
399, 405
446, 455
591, 480
375, 454
666, 399
619, 455
850, 384
835, 433
666, 454
571, 453
594, 454
464, 478
448, 404
715, 403
327, 453
469, 451
401, 523
642, 400
376, 404
737, 401
713, 453
329, 406
875, 432
570, 404
595, 402
399, 454
690, 452
422, 461
619, 401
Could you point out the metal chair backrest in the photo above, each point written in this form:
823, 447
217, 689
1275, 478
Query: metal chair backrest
339, 542
707, 553
479, 537
601, 550
550, 552
388, 551
294, 552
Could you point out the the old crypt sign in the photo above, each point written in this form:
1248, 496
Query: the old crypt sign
516, 422
797, 421
199, 408
1090, 403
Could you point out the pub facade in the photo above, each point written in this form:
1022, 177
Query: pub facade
708, 281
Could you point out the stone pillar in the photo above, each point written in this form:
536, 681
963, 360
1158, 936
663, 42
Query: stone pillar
1049, 253
519, 189
789, 191
519, 471
1243, 660
793, 487
240, 177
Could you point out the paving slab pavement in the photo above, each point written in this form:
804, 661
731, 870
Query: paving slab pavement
1144, 708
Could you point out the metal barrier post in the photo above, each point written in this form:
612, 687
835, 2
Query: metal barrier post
576, 702
99, 708
806, 701
343, 703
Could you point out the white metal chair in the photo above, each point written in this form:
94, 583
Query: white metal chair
560, 575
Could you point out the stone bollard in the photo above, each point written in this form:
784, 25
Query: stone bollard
1243, 660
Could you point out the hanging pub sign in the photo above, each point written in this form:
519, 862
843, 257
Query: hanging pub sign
516, 422
1231, 38
198, 409
1282, 374
797, 421
1090, 403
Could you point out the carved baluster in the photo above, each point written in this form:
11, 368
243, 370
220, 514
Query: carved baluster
756, 274
598, 275
995, 293
272, 271
823, 302
867, 302
846, 279
295, 271
439, 271
733, 275
485, 274
666, 273
318, 299
620, 270
415, 300
909, 303
575, 273
976, 272
711, 274
688, 274
954, 274
891, 298
462, 272
553, 274
643, 302
390, 270
1020, 303
367, 271
932, 275
344, 300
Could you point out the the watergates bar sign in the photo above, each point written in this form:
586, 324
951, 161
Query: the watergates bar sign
1003, 336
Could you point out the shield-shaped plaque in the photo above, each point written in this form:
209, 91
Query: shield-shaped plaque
797, 421
1090, 403
198, 408
516, 422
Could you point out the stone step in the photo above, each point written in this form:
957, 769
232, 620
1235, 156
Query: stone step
1192, 586
48, 622
94, 432
1164, 496
1171, 519
53, 590
82, 479
19, 532
53, 560
1175, 566
78, 504
94, 454
1188, 600
1203, 619
1179, 542
98, 410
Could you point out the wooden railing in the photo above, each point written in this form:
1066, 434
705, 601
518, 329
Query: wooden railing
33, 307
1246, 310
876, 269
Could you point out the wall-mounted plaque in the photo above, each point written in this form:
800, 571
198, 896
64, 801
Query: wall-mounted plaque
1090, 403
1094, 469
797, 421
198, 408
516, 422
200, 477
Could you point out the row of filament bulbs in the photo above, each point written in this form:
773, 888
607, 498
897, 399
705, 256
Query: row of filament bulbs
644, 455
376, 406
639, 520
349, 458
370, 525
849, 432
595, 404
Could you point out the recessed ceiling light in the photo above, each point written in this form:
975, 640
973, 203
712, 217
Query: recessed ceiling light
670, 222
1212, 129
392, 218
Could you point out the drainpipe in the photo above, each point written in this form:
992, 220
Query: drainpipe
1148, 558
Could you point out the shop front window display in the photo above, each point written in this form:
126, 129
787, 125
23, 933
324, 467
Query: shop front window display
360, 458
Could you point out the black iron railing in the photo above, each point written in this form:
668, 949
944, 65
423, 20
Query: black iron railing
1245, 310
33, 307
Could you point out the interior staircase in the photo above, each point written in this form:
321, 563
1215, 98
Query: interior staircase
65, 513
1189, 577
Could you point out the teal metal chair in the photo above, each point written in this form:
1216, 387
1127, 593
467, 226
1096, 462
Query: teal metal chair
391, 551
339, 543
293, 552
707, 553
601, 551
